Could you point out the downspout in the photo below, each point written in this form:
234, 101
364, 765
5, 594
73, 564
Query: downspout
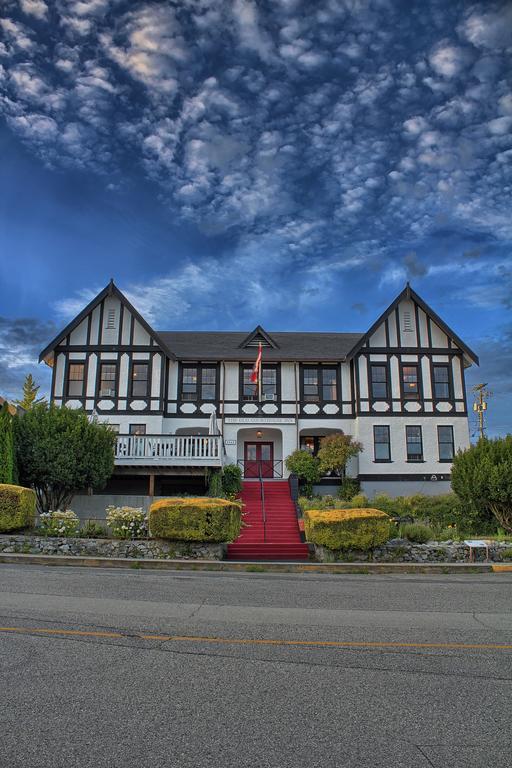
223, 397
297, 410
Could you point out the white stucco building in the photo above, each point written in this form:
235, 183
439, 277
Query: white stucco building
183, 401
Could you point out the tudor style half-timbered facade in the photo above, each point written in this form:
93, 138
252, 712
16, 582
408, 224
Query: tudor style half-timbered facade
183, 401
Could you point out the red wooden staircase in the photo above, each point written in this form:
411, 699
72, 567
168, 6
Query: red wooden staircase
270, 530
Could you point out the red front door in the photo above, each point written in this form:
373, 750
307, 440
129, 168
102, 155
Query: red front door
258, 456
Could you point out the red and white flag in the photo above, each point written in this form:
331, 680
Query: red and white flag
255, 373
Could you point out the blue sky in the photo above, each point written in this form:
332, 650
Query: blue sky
237, 162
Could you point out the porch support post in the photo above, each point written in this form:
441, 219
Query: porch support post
151, 485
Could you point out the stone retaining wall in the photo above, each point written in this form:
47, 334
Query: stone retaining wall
140, 548
404, 551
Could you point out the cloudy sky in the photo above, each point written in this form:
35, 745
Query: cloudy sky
234, 162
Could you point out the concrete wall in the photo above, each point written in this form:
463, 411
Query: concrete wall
404, 487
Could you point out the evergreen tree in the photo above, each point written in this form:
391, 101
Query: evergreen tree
6, 445
30, 390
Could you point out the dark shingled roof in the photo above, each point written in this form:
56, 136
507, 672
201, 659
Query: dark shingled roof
225, 345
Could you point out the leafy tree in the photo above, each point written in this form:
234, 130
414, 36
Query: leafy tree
335, 451
59, 452
306, 467
30, 390
482, 479
231, 480
7, 474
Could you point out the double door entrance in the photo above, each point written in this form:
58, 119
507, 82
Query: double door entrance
258, 459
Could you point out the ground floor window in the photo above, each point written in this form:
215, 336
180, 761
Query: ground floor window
445, 442
414, 443
382, 447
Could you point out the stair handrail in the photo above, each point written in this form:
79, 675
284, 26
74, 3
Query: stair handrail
262, 498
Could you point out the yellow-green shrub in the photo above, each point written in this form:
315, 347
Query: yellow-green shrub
347, 528
195, 519
17, 507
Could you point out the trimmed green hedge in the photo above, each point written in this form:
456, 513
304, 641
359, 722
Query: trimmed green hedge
17, 507
347, 528
195, 519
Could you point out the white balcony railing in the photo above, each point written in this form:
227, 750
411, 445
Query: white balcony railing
178, 450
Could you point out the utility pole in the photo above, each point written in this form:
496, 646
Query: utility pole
481, 394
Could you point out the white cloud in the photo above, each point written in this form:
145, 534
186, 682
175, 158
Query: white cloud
490, 28
251, 35
37, 8
151, 47
449, 60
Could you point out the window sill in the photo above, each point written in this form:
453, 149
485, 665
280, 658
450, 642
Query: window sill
445, 461
415, 461
383, 461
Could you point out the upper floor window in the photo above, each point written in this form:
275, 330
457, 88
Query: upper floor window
378, 381
140, 379
137, 429
414, 442
250, 389
76, 379
108, 375
445, 442
208, 381
269, 383
410, 382
319, 383
381, 443
199, 382
442, 387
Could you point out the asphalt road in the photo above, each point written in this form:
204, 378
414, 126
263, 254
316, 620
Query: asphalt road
148, 668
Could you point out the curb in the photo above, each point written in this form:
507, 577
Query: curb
250, 567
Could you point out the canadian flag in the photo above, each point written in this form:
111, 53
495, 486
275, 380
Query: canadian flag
255, 373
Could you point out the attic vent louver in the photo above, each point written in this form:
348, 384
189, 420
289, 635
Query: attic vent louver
255, 342
111, 319
407, 321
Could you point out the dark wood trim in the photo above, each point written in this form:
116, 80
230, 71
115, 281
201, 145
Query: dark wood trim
412, 351
100, 323
121, 320
417, 321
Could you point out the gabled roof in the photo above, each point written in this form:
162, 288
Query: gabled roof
259, 336
408, 293
110, 290
290, 346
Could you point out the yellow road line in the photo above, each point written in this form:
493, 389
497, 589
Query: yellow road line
250, 641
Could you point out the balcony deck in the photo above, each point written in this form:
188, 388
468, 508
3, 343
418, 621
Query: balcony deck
169, 450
